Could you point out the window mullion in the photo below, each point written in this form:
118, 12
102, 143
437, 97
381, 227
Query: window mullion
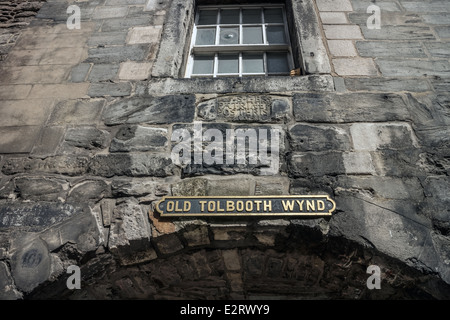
216, 65
265, 63
240, 64
241, 32
263, 26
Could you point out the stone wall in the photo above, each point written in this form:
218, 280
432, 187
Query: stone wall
80, 187
15, 15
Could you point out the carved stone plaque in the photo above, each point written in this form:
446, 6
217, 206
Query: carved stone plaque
244, 108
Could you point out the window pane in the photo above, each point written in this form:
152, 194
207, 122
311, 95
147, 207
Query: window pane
203, 65
207, 17
252, 35
273, 16
275, 34
277, 62
206, 36
253, 63
229, 36
228, 63
229, 16
251, 16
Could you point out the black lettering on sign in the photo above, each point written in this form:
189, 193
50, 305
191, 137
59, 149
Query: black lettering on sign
246, 206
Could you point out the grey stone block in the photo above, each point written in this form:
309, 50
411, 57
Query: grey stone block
413, 68
436, 18
396, 163
124, 2
341, 108
420, 6
30, 265
405, 49
87, 137
387, 19
80, 72
124, 24
387, 85
171, 47
133, 165
443, 32
121, 89
441, 85
139, 138
438, 49
319, 138
435, 139
40, 189
89, 190
136, 52
49, 141
382, 225
385, 6
130, 234
134, 187
18, 139
7, 288
437, 203
110, 12
66, 165
54, 10
168, 244
35, 216
101, 39
384, 187
77, 112
398, 33
103, 72
236, 85
80, 231
316, 164
167, 109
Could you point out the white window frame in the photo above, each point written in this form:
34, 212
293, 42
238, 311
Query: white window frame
217, 48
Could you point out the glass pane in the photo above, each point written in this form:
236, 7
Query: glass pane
253, 63
207, 17
276, 34
228, 63
252, 35
206, 36
273, 16
203, 65
229, 36
277, 62
229, 16
251, 16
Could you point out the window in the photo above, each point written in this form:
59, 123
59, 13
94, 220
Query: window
240, 41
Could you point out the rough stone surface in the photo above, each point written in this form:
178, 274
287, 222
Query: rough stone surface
87, 137
35, 217
130, 233
168, 109
134, 165
365, 107
139, 138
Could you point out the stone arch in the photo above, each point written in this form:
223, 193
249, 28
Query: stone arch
265, 260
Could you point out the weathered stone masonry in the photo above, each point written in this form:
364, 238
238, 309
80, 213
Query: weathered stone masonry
87, 119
